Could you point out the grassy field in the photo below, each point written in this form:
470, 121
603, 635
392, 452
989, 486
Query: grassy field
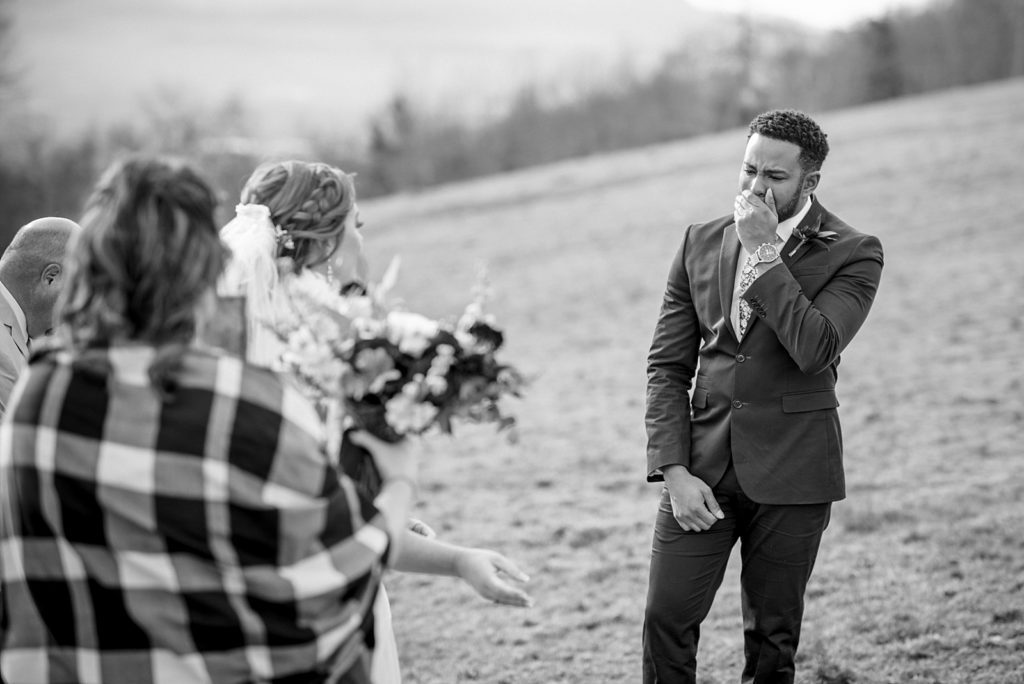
921, 573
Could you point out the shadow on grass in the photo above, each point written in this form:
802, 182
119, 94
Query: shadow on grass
821, 667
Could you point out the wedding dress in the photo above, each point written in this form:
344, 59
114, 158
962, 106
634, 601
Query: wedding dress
252, 273
385, 668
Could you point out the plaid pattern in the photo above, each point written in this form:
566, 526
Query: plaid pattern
199, 538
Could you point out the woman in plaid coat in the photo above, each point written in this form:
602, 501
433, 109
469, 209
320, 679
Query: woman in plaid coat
167, 513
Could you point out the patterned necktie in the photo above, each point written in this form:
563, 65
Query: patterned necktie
749, 274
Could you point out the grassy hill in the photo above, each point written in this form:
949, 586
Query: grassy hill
921, 573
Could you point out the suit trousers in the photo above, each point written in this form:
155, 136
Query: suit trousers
778, 546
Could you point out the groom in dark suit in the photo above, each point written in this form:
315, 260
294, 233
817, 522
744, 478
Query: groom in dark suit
758, 307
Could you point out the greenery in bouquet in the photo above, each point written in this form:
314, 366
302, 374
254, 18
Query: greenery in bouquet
395, 372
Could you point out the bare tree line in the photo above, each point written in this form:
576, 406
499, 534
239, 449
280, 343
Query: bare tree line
701, 87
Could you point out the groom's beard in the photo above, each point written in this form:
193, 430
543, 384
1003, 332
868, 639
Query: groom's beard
789, 210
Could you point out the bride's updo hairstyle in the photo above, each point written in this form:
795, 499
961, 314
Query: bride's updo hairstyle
308, 201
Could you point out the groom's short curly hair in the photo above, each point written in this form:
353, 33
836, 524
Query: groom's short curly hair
307, 200
790, 125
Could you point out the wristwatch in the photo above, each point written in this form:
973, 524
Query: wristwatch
764, 254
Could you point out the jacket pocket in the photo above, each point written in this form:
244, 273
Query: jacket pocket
700, 398
814, 271
817, 400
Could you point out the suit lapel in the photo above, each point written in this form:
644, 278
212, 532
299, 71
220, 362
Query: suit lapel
9, 320
727, 261
21, 344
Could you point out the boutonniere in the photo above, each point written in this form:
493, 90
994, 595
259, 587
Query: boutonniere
812, 232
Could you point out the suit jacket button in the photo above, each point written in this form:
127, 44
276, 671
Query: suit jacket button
737, 403
740, 358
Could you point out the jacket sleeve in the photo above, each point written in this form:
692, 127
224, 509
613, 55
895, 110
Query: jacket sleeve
671, 365
312, 535
815, 332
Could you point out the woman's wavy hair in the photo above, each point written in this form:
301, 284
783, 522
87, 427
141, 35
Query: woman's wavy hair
147, 254
309, 201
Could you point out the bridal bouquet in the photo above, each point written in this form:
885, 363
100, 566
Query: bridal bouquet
389, 371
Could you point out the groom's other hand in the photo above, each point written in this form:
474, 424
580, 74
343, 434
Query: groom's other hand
486, 571
693, 504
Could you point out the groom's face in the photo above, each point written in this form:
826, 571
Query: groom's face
775, 164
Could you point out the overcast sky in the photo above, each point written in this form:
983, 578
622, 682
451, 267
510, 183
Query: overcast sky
331, 63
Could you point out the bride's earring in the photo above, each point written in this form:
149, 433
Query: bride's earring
330, 273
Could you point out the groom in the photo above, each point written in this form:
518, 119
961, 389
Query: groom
758, 307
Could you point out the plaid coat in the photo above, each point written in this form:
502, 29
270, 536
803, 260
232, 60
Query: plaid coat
200, 536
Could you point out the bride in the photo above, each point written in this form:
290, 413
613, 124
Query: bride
307, 211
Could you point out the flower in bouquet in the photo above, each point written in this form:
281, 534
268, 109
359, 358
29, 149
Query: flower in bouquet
411, 332
394, 371
315, 330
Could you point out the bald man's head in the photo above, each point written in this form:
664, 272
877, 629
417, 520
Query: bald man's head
32, 268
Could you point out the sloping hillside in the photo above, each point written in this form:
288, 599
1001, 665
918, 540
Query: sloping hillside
919, 578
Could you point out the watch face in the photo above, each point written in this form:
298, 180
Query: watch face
767, 252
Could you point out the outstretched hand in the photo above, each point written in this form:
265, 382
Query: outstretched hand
489, 573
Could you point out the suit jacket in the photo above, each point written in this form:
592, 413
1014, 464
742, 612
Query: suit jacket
13, 351
767, 402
